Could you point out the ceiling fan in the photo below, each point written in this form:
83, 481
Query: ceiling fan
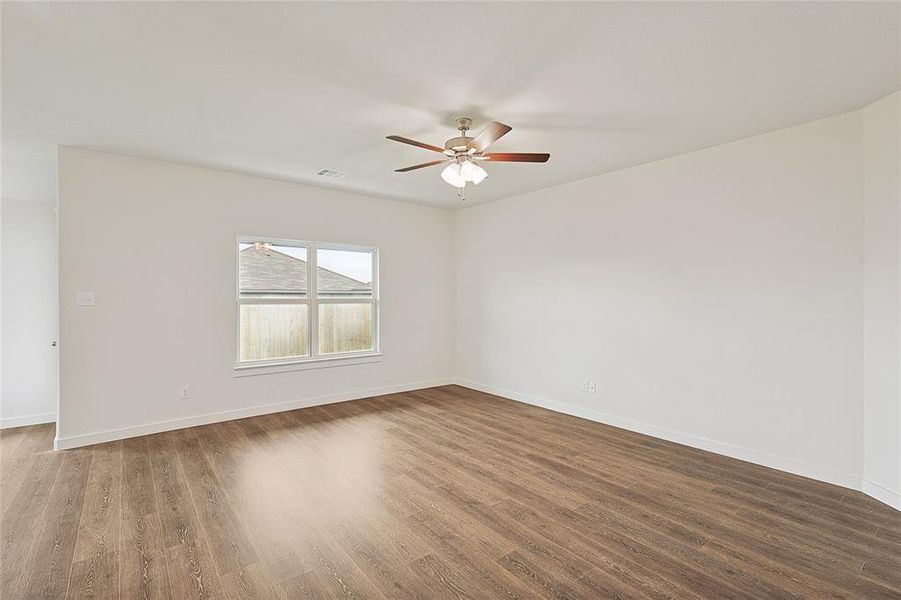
462, 153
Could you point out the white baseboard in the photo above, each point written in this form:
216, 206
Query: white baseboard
883, 494
87, 439
27, 420
788, 465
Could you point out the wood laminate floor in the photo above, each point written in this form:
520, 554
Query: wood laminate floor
439, 493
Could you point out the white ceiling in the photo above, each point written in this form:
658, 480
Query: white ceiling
286, 89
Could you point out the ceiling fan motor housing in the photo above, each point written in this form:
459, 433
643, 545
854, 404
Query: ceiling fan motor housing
458, 144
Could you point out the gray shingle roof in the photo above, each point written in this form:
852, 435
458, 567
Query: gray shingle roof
267, 271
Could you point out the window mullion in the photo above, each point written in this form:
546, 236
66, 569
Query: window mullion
313, 291
345, 300
286, 300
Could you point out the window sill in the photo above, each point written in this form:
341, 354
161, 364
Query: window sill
305, 364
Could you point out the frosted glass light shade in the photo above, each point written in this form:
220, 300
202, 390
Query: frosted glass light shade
467, 169
470, 171
453, 176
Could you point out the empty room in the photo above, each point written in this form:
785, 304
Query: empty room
450, 300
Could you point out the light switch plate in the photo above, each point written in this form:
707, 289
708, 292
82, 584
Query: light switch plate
84, 298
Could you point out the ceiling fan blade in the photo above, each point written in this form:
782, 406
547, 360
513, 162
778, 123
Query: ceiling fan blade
414, 167
489, 135
517, 157
403, 140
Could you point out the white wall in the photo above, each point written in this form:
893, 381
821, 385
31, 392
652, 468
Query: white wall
156, 243
28, 393
742, 299
715, 297
882, 298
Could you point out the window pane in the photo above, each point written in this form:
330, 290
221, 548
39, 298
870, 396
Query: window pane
343, 273
272, 270
274, 331
345, 328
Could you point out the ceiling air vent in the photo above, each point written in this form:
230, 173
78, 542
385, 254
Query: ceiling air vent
331, 174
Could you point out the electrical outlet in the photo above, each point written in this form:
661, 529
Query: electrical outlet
431, 363
184, 393
84, 298
592, 387
585, 385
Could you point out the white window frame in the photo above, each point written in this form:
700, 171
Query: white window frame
313, 359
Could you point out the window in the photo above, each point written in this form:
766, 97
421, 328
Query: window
305, 301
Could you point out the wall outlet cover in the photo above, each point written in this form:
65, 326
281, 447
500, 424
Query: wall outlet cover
84, 298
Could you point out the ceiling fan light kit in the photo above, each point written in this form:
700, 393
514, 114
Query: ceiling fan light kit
472, 172
462, 152
461, 171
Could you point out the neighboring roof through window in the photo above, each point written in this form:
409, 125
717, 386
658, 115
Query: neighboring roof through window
266, 271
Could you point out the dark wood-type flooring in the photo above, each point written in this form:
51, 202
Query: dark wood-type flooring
439, 493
